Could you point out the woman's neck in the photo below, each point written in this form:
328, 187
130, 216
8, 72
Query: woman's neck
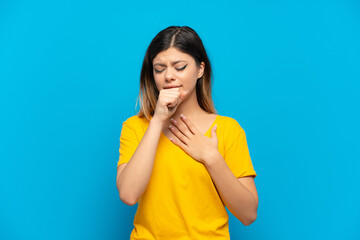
189, 107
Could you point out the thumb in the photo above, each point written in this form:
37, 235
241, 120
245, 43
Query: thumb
213, 132
183, 94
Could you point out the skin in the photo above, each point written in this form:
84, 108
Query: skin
179, 116
172, 102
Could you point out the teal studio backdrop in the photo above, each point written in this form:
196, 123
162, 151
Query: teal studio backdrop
287, 71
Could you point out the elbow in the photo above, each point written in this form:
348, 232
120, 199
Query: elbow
250, 216
125, 197
128, 200
249, 220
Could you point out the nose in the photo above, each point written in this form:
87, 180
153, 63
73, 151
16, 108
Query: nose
169, 75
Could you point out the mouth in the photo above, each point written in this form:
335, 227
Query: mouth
168, 87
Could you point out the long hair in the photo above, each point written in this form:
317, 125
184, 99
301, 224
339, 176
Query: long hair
186, 40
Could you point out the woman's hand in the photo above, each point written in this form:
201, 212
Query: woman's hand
192, 141
167, 103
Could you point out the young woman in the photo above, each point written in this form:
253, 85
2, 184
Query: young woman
179, 160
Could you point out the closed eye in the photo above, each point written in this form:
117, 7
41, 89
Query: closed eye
158, 71
180, 69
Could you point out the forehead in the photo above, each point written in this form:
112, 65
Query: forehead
171, 55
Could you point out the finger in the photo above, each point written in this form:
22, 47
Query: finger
177, 89
179, 95
179, 135
174, 95
170, 94
168, 98
174, 102
171, 90
179, 143
189, 124
182, 128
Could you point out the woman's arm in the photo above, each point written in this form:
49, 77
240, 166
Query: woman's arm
239, 195
133, 179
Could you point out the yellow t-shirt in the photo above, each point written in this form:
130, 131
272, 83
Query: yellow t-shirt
181, 200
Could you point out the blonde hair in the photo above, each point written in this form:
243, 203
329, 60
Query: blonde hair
185, 40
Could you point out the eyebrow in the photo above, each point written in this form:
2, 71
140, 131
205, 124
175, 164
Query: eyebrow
173, 63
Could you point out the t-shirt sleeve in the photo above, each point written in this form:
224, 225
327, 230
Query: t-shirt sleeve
238, 157
128, 143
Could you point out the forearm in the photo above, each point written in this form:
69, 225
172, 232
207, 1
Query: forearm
234, 194
135, 177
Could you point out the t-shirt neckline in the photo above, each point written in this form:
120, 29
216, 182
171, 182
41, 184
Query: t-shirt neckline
212, 125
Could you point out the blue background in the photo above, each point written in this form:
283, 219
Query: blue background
287, 71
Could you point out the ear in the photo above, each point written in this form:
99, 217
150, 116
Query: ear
201, 70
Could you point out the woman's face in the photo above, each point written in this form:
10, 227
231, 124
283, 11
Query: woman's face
173, 68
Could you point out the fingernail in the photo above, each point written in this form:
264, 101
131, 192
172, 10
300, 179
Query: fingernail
182, 115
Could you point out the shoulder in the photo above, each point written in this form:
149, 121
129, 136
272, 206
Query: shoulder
229, 125
136, 122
